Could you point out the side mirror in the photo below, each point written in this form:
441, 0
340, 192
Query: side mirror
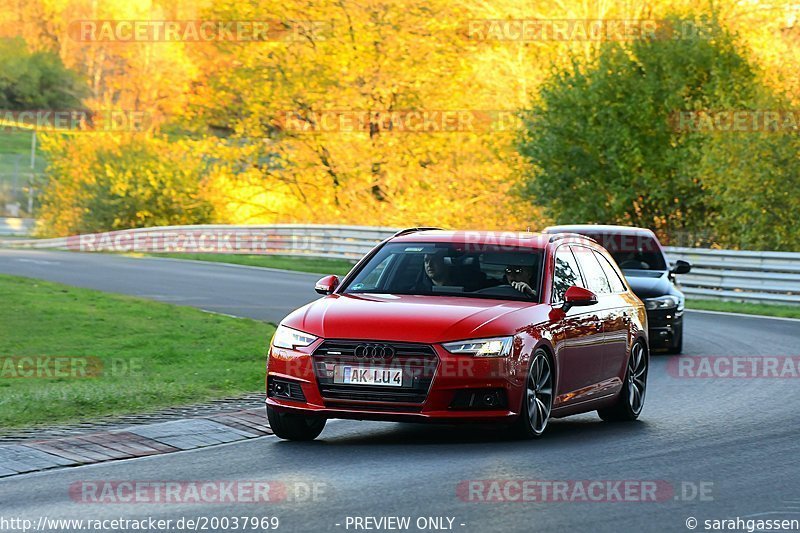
327, 284
681, 267
578, 297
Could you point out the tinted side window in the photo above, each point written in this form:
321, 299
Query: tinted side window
613, 278
566, 274
592, 271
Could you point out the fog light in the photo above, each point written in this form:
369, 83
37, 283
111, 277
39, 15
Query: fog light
285, 389
490, 400
479, 399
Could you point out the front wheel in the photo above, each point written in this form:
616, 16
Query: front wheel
291, 426
631, 398
538, 400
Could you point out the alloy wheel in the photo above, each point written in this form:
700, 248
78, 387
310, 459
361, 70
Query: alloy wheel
539, 392
637, 378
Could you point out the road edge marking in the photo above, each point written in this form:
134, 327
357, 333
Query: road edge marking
743, 315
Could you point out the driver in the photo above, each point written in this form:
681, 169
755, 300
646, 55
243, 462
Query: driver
521, 277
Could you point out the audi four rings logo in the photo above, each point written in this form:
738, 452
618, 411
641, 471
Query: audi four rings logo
374, 351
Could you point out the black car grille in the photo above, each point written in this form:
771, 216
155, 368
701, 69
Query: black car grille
657, 318
417, 361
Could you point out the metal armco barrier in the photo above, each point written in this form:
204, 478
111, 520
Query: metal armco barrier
768, 277
760, 277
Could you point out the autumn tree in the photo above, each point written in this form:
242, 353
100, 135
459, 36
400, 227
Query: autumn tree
36, 80
602, 141
373, 57
101, 182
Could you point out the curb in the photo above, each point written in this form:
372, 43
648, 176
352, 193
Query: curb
133, 441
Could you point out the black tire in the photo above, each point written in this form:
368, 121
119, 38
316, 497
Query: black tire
290, 426
630, 401
539, 389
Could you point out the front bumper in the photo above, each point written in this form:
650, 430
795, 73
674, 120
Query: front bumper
664, 327
437, 392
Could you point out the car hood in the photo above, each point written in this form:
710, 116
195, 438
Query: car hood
650, 284
411, 318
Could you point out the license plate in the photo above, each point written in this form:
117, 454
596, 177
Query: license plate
368, 375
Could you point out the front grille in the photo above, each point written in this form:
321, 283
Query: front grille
417, 361
657, 318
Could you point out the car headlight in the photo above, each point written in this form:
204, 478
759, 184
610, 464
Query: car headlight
494, 347
291, 338
664, 302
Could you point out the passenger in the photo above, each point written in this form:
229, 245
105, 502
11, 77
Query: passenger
438, 272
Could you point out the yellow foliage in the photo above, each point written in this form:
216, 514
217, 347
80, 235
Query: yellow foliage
373, 55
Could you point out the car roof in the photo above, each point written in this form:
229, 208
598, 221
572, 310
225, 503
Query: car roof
599, 229
521, 239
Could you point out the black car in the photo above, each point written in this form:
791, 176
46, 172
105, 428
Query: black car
641, 258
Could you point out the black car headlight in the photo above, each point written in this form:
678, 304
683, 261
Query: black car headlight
664, 302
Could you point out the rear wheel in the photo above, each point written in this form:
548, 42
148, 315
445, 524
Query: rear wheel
631, 398
538, 400
291, 426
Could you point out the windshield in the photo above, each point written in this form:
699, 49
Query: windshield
632, 252
447, 269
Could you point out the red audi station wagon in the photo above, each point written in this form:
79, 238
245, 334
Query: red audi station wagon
446, 326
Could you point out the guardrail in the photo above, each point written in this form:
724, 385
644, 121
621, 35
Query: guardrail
329, 241
759, 277
768, 277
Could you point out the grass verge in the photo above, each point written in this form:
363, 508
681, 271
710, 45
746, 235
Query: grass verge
339, 267
785, 311
146, 354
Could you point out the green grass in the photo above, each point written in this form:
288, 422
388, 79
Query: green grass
339, 267
15, 153
15, 168
786, 311
153, 354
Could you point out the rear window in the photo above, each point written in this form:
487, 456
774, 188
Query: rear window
632, 252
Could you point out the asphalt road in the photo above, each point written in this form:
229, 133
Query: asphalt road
735, 439
231, 289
